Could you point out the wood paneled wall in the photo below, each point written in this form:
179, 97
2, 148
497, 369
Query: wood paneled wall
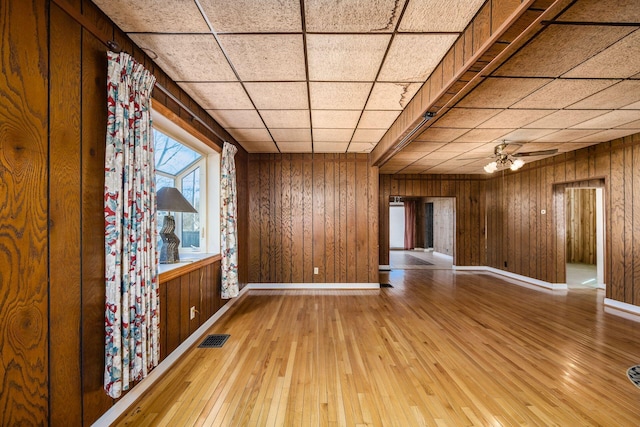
533, 244
580, 208
52, 133
23, 213
312, 210
469, 193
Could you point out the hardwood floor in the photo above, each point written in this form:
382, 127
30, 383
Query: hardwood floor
439, 348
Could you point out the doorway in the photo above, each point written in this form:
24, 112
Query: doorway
584, 216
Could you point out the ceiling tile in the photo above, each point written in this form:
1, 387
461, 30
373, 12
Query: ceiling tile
353, 16
178, 16
619, 95
565, 135
439, 15
330, 147
368, 135
603, 11
525, 135
606, 135
564, 119
291, 135
465, 117
251, 16
286, 118
610, 120
237, 118
377, 119
341, 119
501, 93
437, 155
279, 95
621, 60
631, 125
176, 54
243, 135
342, 57
634, 106
295, 147
540, 57
266, 57
338, 95
440, 134
332, 135
422, 147
514, 118
483, 135
412, 57
391, 96
361, 147
563, 92
218, 96
460, 147
259, 146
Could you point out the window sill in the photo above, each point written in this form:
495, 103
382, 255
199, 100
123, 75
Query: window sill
188, 262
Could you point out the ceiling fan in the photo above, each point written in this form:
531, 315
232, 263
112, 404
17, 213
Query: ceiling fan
506, 155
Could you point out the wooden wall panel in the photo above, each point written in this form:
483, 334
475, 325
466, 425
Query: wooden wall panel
23, 214
327, 216
468, 191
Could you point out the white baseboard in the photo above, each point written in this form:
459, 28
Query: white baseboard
622, 309
385, 267
129, 399
530, 280
328, 286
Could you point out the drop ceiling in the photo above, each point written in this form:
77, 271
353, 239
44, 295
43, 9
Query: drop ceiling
333, 75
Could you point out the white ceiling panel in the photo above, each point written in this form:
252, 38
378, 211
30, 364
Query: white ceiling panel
631, 125
361, 147
465, 117
565, 135
501, 93
482, 135
525, 135
330, 147
368, 135
440, 134
460, 147
564, 119
338, 95
237, 118
259, 146
176, 54
219, 96
332, 135
340, 119
514, 118
353, 16
342, 57
244, 16
177, 16
606, 135
563, 92
412, 57
438, 15
279, 95
242, 135
295, 147
291, 135
617, 96
266, 57
610, 120
286, 118
603, 11
622, 60
391, 96
373, 119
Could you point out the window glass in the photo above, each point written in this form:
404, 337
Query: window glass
191, 221
172, 157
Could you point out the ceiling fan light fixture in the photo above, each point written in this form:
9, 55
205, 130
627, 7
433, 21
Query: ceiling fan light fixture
491, 167
517, 164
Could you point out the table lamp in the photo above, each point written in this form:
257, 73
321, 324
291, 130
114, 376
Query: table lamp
170, 199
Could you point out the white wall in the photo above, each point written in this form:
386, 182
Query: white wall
396, 226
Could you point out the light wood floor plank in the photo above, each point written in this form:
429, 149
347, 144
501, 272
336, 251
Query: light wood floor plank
438, 348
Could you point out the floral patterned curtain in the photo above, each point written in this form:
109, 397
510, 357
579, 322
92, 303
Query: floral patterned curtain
228, 218
131, 272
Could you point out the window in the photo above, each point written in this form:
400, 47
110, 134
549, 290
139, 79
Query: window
185, 162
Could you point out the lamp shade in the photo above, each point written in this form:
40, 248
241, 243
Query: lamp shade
170, 199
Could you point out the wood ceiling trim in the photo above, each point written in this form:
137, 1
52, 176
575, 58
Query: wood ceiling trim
437, 95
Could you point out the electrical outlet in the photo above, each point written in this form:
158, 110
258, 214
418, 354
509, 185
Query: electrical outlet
315, 270
192, 313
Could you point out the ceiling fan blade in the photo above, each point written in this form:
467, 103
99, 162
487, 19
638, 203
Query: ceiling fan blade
537, 153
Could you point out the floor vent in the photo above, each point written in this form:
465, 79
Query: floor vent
214, 341
386, 285
634, 375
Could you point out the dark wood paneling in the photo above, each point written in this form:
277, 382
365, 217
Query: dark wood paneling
469, 211
65, 389
326, 218
23, 214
